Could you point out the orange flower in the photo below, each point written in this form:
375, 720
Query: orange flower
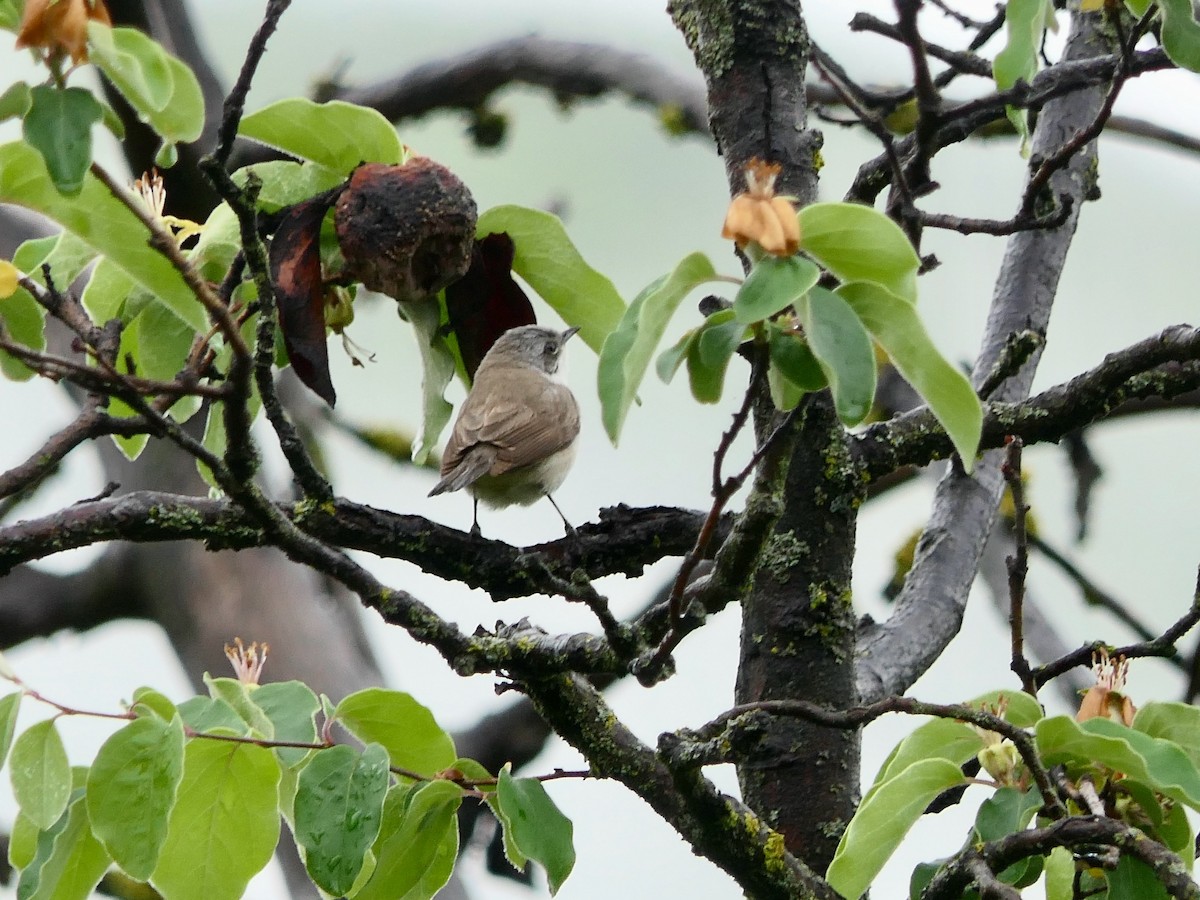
758, 215
60, 25
1107, 699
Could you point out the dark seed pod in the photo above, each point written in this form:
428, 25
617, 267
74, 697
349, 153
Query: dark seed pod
406, 231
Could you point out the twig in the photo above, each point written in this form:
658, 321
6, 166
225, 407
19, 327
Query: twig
723, 492
1018, 565
1041, 177
861, 715
1093, 594
235, 101
1163, 645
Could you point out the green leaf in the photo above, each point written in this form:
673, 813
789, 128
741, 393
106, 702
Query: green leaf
536, 826
1159, 763
897, 328
627, 352
69, 862
1180, 33
1060, 874
24, 318
794, 359
407, 730
103, 222
1133, 878
1175, 722
336, 135
131, 789
67, 256
549, 263
238, 696
859, 243
841, 346
954, 741
883, 819
337, 809
59, 126
1006, 812
225, 823
163, 343
41, 775
286, 182
292, 708
14, 102
10, 14
709, 354
1176, 833
1025, 22
410, 853
134, 63
774, 284
437, 368
106, 291
22, 842
149, 702
10, 705
208, 716
161, 88
673, 357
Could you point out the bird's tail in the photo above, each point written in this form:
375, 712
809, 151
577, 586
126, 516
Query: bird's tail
473, 466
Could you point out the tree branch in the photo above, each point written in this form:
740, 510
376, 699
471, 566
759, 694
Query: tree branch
1163, 366
929, 609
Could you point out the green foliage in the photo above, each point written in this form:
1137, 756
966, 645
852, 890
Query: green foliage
438, 364
161, 88
817, 338
406, 729
59, 126
140, 766
534, 828
41, 775
419, 825
100, 220
1152, 779
549, 263
709, 352
1180, 32
68, 862
1101, 743
626, 353
858, 243
189, 797
337, 813
336, 135
898, 329
225, 822
843, 350
1025, 24
772, 285
884, 819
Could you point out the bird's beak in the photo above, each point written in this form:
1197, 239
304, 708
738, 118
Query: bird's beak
569, 332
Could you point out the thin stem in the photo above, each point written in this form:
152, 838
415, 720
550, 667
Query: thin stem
1018, 564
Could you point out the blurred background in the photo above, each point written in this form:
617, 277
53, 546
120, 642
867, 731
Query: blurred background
635, 200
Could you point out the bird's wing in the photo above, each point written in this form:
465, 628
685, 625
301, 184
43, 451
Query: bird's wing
523, 431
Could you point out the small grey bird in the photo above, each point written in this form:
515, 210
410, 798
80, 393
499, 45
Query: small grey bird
514, 438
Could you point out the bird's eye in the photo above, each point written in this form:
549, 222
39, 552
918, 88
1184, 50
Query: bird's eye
552, 347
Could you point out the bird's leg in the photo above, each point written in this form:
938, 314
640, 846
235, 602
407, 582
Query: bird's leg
475, 532
570, 530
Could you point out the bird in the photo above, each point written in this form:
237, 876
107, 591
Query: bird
515, 435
